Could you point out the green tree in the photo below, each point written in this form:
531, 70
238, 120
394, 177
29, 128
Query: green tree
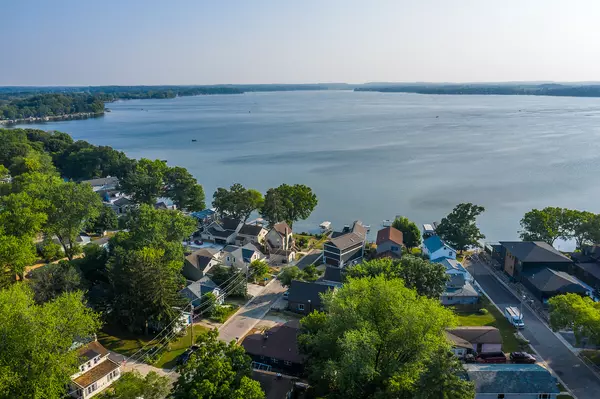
577, 313
229, 279
459, 228
545, 225
36, 360
184, 189
55, 279
146, 183
427, 278
133, 385
411, 234
377, 339
106, 220
50, 251
440, 379
217, 370
238, 202
16, 253
288, 274
310, 273
259, 269
72, 205
288, 203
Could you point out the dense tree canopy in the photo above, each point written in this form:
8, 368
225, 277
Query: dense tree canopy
35, 356
426, 278
184, 190
238, 202
288, 274
411, 234
551, 223
217, 370
577, 313
377, 339
55, 279
459, 228
288, 203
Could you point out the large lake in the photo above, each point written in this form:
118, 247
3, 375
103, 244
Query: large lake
372, 156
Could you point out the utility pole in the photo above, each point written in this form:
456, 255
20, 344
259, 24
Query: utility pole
192, 325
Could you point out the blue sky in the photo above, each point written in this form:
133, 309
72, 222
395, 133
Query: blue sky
284, 41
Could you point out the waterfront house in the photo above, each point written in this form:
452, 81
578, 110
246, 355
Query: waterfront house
196, 290
250, 233
165, 204
389, 242
96, 371
587, 265
428, 230
437, 250
276, 348
346, 247
512, 381
204, 217
518, 257
304, 296
544, 283
199, 262
482, 339
223, 231
333, 276
103, 183
280, 244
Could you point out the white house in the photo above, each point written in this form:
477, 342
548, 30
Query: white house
103, 183
436, 249
279, 243
512, 381
96, 371
454, 267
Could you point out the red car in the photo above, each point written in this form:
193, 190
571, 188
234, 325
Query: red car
522, 357
491, 357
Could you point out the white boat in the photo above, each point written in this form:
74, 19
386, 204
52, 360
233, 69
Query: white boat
368, 227
325, 225
387, 223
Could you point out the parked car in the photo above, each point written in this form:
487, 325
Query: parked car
185, 356
198, 242
286, 295
522, 357
491, 357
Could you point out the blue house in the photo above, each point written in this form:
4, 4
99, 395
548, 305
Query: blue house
436, 249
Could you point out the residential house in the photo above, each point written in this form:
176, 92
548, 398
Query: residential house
389, 242
428, 230
304, 297
544, 283
196, 290
459, 292
205, 217
277, 348
520, 256
121, 205
587, 265
483, 339
279, 243
165, 204
346, 247
96, 371
250, 233
199, 262
512, 381
250, 253
223, 231
103, 183
436, 249
333, 276
454, 267
233, 256
280, 386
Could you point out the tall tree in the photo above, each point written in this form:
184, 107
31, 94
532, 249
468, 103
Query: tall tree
577, 313
55, 279
146, 183
259, 269
425, 277
217, 370
439, 380
288, 274
238, 202
36, 360
288, 203
72, 205
377, 339
459, 228
411, 234
133, 385
582, 226
545, 225
106, 220
184, 189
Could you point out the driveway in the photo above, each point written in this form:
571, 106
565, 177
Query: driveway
142, 368
251, 313
309, 259
584, 383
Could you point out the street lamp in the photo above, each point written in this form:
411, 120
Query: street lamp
522, 300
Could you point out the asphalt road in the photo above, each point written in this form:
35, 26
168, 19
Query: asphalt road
576, 375
251, 313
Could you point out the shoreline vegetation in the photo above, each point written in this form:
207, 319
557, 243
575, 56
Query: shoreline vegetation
45, 104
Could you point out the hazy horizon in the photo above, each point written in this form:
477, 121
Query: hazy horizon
73, 43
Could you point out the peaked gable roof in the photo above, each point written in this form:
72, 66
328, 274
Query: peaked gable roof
534, 251
389, 234
548, 280
333, 274
435, 243
303, 291
279, 342
199, 288
250, 230
478, 335
511, 378
281, 228
229, 223
201, 258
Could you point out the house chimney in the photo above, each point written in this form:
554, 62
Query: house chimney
286, 239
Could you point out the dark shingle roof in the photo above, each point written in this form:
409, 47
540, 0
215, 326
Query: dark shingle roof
478, 335
303, 291
548, 280
534, 251
389, 234
198, 288
346, 240
201, 258
333, 274
250, 230
122, 201
592, 268
279, 342
91, 350
229, 223
511, 378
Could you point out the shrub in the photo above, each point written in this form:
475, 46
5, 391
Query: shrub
483, 311
51, 251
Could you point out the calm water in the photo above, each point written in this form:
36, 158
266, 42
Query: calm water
371, 156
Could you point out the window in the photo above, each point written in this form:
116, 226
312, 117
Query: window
300, 306
500, 396
228, 259
287, 363
274, 361
96, 359
395, 248
449, 298
544, 396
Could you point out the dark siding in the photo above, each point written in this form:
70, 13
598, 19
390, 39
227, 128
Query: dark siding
279, 366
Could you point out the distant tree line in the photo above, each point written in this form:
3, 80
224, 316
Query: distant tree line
42, 105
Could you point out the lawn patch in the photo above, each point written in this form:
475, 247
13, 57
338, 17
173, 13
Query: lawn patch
168, 358
121, 341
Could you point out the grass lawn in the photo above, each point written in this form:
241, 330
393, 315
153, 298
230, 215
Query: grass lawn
120, 341
493, 318
312, 241
169, 358
592, 355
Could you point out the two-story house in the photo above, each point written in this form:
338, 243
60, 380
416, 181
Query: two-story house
96, 371
251, 233
520, 257
223, 231
346, 247
198, 263
390, 242
436, 249
279, 243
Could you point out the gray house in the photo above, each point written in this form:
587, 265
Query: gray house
346, 247
197, 289
199, 262
304, 297
459, 291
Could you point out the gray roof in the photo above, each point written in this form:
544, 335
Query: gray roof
231, 248
346, 240
122, 201
303, 291
229, 223
478, 335
218, 233
548, 280
333, 274
279, 342
511, 378
592, 268
534, 251
199, 288
466, 290
102, 181
201, 258
250, 230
